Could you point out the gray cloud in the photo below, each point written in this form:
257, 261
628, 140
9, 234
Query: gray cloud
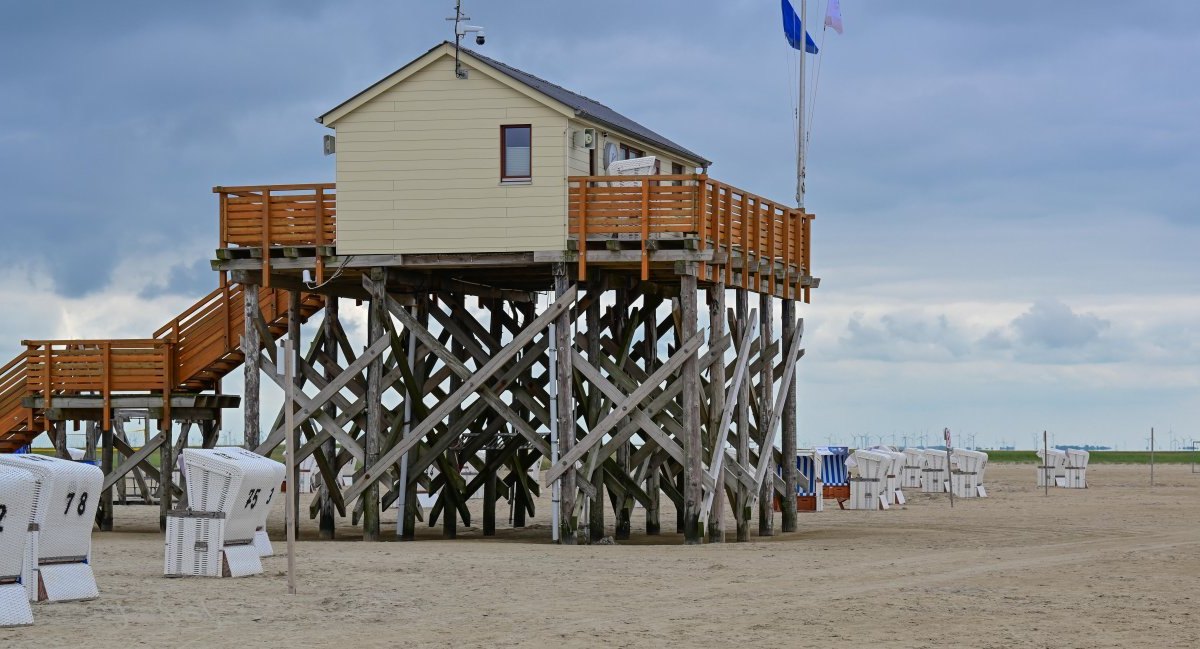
1052, 324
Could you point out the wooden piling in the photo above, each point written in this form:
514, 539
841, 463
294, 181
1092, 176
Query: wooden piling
693, 471
766, 401
166, 471
650, 306
327, 523
788, 445
106, 465
252, 350
716, 407
742, 417
565, 407
592, 322
376, 283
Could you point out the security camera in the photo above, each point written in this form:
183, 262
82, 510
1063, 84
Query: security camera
463, 30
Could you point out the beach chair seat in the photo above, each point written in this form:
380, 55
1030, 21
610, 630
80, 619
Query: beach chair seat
17, 492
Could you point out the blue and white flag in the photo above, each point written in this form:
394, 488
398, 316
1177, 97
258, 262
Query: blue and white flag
792, 29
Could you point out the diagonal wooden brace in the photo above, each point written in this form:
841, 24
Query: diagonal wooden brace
469, 387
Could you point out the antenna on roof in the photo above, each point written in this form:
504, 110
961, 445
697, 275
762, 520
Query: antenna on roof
461, 30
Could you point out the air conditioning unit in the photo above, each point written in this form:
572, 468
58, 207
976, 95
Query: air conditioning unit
586, 139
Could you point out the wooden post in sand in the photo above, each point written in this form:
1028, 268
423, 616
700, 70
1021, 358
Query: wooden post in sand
331, 328
693, 446
766, 404
788, 446
376, 284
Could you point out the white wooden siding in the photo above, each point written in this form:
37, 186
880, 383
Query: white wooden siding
418, 169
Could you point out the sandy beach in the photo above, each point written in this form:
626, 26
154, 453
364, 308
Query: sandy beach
1115, 565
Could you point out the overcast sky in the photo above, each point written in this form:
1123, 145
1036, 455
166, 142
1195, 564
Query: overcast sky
1007, 192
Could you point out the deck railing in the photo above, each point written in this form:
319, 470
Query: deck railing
209, 330
771, 239
98, 367
267, 216
12, 391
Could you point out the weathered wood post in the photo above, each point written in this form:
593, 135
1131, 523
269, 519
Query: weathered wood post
419, 365
252, 350
106, 465
693, 468
622, 527
166, 470
650, 305
60, 439
293, 481
490, 484
716, 407
766, 403
592, 317
565, 406
450, 495
788, 446
742, 416
376, 312
327, 522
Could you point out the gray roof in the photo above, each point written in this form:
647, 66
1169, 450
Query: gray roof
588, 108
584, 107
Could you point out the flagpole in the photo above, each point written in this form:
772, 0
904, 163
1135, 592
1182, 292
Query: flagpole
800, 113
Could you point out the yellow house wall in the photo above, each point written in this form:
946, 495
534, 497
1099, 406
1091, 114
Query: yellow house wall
418, 169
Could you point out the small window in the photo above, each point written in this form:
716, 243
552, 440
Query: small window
629, 153
516, 153
676, 170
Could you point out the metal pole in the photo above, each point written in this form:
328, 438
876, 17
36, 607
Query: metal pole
949, 468
290, 375
800, 152
556, 488
1046, 462
1151, 456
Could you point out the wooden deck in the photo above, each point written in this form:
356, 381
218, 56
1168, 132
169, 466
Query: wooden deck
752, 242
766, 240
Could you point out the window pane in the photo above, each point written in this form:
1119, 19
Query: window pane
517, 161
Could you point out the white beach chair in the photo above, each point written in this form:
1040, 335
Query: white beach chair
230, 493
964, 474
1075, 468
910, 473
59, 548
934, 475
868, 479
1054, 463
18, 488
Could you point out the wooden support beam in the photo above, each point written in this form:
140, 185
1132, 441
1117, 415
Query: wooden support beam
106, 465
376, 283
766, 386
744, 322
565, 417
327, 523
592, 321
252, 352
469, 387
717, 426
693, 494
788, 445
166, 479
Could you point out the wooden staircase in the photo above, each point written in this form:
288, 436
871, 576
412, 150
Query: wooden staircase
202, 345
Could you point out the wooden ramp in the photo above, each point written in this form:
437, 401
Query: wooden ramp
190, 354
